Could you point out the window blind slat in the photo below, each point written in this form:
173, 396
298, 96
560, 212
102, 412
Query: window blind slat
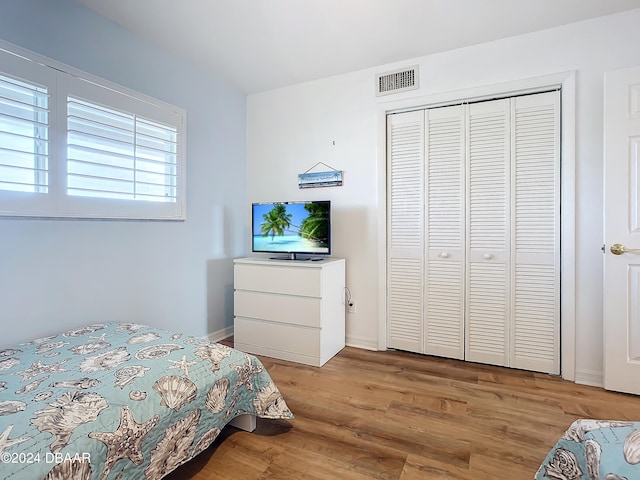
19, 111
90, 169
22, 92
83, 127
99, 114
89, 154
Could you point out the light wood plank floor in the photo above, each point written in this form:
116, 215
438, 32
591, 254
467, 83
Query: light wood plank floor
395, 415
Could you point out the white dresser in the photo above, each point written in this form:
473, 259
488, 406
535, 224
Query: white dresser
291, 310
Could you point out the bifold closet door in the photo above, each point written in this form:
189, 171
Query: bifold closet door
426, 231
535, 233
513, 216
445, 232
473, 232
405, 231
488, 293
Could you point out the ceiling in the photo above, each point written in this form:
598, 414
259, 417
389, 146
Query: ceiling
264, 44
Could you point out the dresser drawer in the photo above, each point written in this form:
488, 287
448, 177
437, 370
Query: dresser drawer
278, 308
278, 279
276, 336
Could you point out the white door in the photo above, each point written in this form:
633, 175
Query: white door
426, 308
535, 233
513, 232
405, 154
488, 234
444, 237
621, 312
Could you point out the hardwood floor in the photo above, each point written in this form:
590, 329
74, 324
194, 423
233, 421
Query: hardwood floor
395, 415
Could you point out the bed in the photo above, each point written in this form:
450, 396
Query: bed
123, 401
594, 450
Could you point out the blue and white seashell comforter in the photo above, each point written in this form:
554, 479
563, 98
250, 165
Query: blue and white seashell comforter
594, 450
123, 401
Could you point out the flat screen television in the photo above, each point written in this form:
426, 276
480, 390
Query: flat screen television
289, 229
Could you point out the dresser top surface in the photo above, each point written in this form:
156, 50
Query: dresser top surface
302, 263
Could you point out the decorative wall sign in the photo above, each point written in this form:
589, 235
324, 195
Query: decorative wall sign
308, 179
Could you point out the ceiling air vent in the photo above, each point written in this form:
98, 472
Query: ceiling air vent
397, 81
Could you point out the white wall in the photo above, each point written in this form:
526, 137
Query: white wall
291, 129
57, 274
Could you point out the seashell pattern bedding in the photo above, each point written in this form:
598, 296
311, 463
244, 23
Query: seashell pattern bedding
594, 450
122, 401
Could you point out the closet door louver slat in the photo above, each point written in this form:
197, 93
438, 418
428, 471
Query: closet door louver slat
405, 154
488, 195
444, 330
536, 275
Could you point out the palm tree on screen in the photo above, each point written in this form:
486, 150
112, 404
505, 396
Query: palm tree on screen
276, 221
316, 225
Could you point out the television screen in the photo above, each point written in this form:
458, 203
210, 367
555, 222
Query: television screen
292, 228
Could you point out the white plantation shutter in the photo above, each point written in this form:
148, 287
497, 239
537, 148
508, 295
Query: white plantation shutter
114, 154
124, 157
27, 90
405, 154
488, 160
74, 145
535, 332
24, 136
444, 328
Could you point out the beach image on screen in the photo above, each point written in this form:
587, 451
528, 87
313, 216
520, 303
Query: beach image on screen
291, 227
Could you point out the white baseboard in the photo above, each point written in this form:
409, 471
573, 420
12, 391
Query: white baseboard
592, 378
584, 377
220, 334
362, 342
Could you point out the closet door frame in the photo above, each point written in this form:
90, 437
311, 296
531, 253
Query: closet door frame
565, 81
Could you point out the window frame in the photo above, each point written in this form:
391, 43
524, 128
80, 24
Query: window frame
63, 81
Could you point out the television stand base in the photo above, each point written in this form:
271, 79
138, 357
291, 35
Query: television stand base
291, 256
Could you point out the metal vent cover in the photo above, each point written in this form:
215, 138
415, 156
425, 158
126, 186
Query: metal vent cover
397, 81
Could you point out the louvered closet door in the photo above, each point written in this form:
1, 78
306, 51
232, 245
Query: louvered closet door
405, 243
474, 225
445, 185
488, 234
535, 327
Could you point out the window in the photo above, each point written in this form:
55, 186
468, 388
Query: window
72, 145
